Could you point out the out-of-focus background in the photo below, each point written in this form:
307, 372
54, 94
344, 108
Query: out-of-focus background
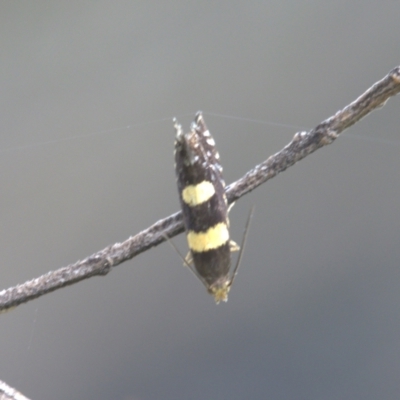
88, 92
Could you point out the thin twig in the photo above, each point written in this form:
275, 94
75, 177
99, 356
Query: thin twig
303, 144
9, 393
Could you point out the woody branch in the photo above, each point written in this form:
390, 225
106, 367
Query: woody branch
302, 144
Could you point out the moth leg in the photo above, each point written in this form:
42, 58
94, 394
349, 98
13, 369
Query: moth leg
227, 213
233, 246
188, 261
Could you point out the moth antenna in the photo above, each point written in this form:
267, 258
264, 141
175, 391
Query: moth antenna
239, 259
170, 241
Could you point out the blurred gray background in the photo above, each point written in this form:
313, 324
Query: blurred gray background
88, 92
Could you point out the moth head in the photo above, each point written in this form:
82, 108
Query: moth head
220, 289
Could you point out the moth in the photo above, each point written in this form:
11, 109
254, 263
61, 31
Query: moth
205, 208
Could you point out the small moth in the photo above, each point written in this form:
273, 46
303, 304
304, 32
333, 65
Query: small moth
205, 208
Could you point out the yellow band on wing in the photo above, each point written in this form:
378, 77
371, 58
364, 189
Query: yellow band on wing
215, 237
193, 195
